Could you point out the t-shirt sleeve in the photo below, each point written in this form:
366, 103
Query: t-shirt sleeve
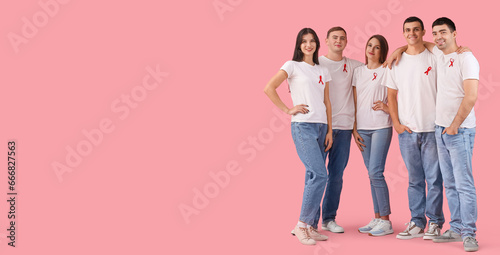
288, 68
327, 75
385, 72
389, 79
356, 63
355, 76
470, 67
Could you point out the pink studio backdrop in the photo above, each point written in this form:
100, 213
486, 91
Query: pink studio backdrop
111, 149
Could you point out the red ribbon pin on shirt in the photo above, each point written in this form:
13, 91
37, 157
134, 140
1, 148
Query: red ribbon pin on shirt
451, 62
320, 80
374, 76
345, 70
428, 69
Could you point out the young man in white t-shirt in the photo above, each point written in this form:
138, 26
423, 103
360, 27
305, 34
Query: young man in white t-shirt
458, 79
412, 106
341, 70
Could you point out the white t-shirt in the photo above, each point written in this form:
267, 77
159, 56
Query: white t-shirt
341, 90
453, 70
307, 86
415, 79
368, 91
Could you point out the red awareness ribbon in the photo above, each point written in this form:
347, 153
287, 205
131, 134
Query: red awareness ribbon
451, 62
320, 81
428, 69
374, 76
345, 70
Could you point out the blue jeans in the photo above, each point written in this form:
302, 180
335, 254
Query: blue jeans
338, 156
374, 155
309, 139
419, 151
455, 159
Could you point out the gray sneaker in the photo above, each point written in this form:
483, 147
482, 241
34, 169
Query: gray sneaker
448, 236
470, 244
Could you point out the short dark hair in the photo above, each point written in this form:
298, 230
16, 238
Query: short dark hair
384, 48
333, 29
445, 21
298, 55
413, 19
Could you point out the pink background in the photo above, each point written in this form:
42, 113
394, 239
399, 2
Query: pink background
125, 195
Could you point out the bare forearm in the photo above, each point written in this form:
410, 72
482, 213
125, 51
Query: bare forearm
393, 108
329, 117
470, 89
463, 111
273, 95
328, 106
271, 92
429, 45
355, 96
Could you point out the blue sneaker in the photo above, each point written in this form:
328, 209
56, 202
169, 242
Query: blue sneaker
384, 227
369, 227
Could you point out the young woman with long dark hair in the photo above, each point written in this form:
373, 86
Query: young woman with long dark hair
311, 125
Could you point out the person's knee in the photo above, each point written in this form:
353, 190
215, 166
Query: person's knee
466, 188
415, 181
435, 180
375, 176
320, 176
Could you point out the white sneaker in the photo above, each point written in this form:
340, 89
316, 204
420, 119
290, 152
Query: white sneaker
332, 227
470, 244
384, 227
432, 232
410, 232
314, 234
370, 226
448, 236
303, 235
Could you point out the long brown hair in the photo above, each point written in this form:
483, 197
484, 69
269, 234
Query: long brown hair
384, 48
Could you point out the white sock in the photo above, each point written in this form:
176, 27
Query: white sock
308, 226
301, 224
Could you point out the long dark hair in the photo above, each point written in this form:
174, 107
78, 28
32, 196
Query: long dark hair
298, 55
384, 48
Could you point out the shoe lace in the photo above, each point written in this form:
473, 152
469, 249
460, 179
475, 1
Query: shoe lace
470, 239
409, 226
313, 230
304, 231
432, 228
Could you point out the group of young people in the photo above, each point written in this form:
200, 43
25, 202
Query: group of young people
427, 96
